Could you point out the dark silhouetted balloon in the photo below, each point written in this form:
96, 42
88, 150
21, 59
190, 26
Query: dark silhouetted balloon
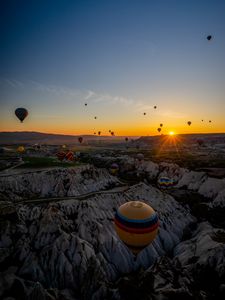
21, 113
85, 104
94, 132
189, 123
126, 139
209, 37
99, 133
95, 118
144, 113
161, 125
109, 130
80, 139
159, 129
202, 120
112, 133
210, 121
155, 107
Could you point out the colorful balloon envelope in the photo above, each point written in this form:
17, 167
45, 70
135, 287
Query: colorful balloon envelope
114, 169
61, 155
21, 113
20, 149
165, 182
69, 156
136, 224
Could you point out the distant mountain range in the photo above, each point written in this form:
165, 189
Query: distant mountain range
30, 137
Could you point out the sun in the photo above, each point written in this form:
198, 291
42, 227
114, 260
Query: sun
171, 133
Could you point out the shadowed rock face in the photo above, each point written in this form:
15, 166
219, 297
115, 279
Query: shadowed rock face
59, 182
69, 249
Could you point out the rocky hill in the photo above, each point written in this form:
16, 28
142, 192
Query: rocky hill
68, 248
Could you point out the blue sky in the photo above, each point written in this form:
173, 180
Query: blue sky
122, 56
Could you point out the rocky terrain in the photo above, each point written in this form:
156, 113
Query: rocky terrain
67, 248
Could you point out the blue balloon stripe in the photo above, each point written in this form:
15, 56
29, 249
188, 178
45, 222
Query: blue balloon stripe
134, 224
135, 220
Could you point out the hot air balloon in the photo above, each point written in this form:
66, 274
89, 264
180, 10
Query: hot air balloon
165, 182
99, 132
140, 156
161, 125
109, 130
209, 37
112, 133
95, 118
200, 142
21, 113
94, 132
20, 149
159, 129
202, 120
126, 139
85, 104
189, 123
69, 156
155, 107
210, 121
80, 139
60, 155
136, 224
114, 168
144, 113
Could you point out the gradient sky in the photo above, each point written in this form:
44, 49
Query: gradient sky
121, 57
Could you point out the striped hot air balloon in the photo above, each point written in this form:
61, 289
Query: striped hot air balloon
60, 155
69, 156
136, 224
114, 168
165, 182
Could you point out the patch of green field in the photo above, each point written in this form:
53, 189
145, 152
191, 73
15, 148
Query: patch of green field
41, 162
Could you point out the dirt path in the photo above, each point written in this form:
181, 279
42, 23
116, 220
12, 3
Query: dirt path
120, 189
